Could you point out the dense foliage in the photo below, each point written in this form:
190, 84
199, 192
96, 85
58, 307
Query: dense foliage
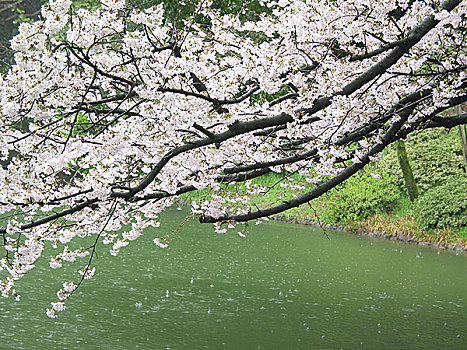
361, 196
110, 113
434, 156
444, 205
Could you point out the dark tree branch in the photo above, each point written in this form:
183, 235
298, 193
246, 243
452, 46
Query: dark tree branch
235, 129
56, 216
389, 60
388, 138
447, 122
376, 52
282, 161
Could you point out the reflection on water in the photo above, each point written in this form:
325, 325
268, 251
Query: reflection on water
283, 287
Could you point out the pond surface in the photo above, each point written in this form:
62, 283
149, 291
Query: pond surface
283, 287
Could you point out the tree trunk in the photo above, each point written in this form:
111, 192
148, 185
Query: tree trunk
409, 180
462, 132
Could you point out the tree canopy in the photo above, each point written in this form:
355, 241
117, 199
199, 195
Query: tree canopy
109, 114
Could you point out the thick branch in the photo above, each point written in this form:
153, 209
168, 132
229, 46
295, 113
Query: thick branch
282, 161
447, 122
389, 60
388, 138
56, 216
235, 129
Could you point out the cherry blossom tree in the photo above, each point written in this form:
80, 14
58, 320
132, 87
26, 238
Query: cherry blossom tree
109, 114
12, 11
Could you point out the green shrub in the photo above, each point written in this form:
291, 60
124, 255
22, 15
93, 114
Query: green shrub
444, 205
434, 156
359, 197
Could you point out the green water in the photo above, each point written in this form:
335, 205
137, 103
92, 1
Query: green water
283, 287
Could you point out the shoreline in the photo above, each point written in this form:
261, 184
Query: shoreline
459, 248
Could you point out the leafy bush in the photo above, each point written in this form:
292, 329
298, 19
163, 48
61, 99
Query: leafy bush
444, 205
434, 156
359, 197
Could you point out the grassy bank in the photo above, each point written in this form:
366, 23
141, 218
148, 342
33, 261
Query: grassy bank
375, 200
